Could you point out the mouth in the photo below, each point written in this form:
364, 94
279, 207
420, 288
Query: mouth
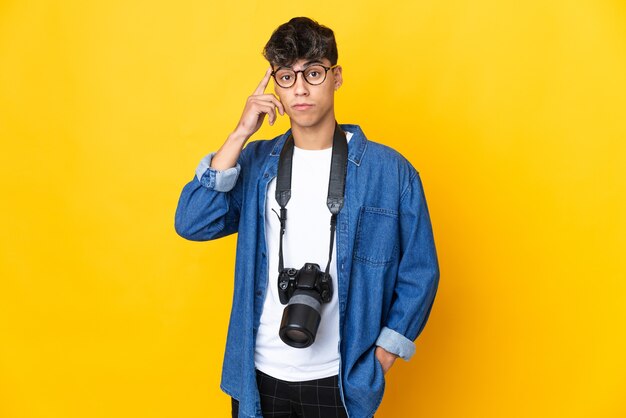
302, 106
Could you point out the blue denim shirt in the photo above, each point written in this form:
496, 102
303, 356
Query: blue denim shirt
386, 261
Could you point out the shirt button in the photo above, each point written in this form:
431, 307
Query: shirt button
259, 293
266, 175
263, 255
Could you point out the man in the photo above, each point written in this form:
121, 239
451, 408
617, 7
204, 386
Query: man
383, 270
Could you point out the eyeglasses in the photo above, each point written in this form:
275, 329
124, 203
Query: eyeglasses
314, 75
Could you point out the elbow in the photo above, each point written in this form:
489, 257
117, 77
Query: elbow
183, 228
190, 234
192, 219
434, 281
182, 231
186, 229
195, 231
436, 275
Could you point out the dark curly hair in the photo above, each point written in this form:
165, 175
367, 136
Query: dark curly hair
300, 38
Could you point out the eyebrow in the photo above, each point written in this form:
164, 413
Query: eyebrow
305, 65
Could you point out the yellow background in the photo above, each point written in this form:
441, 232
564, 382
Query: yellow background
513, 112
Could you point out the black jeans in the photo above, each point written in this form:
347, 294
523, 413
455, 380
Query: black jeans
318, 398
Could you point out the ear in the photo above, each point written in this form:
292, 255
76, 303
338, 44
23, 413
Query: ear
337, 71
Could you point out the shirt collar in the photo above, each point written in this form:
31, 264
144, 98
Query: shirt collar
356, 145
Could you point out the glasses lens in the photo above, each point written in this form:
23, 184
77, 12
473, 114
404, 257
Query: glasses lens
285, 77
315, 74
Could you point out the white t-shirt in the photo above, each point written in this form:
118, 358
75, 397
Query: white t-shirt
306, 240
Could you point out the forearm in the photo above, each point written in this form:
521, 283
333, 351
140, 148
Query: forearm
226, 157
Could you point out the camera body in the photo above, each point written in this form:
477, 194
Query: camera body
309, 277
303, 291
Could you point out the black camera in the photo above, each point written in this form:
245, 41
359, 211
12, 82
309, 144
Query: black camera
303, 291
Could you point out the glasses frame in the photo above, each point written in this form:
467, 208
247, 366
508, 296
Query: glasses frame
295, 79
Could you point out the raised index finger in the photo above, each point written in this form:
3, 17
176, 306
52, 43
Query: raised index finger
261, 88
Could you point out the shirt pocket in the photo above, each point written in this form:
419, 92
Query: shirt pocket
377, 236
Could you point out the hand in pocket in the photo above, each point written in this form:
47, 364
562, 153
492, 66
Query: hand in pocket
385, 358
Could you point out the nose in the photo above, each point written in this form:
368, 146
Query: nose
300, 87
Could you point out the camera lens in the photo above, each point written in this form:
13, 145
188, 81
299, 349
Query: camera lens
296, 335
301, 318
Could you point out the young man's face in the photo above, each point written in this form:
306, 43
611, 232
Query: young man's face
307, 105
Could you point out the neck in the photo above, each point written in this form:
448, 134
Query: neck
314, 137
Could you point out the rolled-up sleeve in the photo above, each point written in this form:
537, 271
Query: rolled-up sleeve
210, 204
219, 180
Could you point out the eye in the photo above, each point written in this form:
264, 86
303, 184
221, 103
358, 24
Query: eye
314, 73
284, 76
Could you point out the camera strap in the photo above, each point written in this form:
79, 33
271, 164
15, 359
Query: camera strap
336, 186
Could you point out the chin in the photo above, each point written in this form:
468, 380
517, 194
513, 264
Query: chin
305, 122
